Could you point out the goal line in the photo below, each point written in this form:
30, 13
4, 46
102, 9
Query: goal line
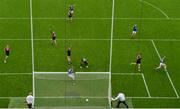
129, 97
103, 73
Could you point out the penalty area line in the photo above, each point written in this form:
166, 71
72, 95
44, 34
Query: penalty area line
167, 73
93, 39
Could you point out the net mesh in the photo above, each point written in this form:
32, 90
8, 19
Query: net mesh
58, 90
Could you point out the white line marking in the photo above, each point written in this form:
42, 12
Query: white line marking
15, 73
166, 70
74, 97
153, 97
102, 73
110, 54
155, 7
32, 46
111, 39
84, 97
156, 49
76, 72
147, 89
147, 39
62, 97
138, 74
126, 73
109, 89
94, 39
103, 18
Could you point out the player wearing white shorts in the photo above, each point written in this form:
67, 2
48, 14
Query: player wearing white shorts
53, 38
162, 64
134, 31
84, 63
71, 12
71, 74
69, 55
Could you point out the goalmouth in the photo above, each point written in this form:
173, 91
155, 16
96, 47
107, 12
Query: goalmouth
56, 89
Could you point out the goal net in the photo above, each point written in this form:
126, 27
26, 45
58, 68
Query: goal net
57, 90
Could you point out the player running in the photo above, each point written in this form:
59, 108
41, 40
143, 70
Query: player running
134, 31
70, 12
7, 52
162, 64
71, 74
84, 63
138, 61
69, 55
53, 38
121, 99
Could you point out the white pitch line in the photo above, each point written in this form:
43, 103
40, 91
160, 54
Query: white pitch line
103, 18
152, 97
126, 73
44, 73
94, 39
84, 97
15, 73
111, 38
147, 89
110, 54
32, 46
62, 97
155, 7
147, 39
102, 73
75, 97
156, 49
172, 84
91, 97
138, 74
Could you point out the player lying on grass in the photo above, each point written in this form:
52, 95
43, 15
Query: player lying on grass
162, 64
121, 99
69, 55
134, 31
70, 12
7, 52
138, 61
53, 38
71, 74
84, 63
30, 101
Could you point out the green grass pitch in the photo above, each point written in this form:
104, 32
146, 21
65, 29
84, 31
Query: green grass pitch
100, 31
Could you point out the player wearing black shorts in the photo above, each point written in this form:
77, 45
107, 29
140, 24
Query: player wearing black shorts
53, 38
71, 11
84, 63
70, 15
7, 52
138, 61
69, 55
30, 101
